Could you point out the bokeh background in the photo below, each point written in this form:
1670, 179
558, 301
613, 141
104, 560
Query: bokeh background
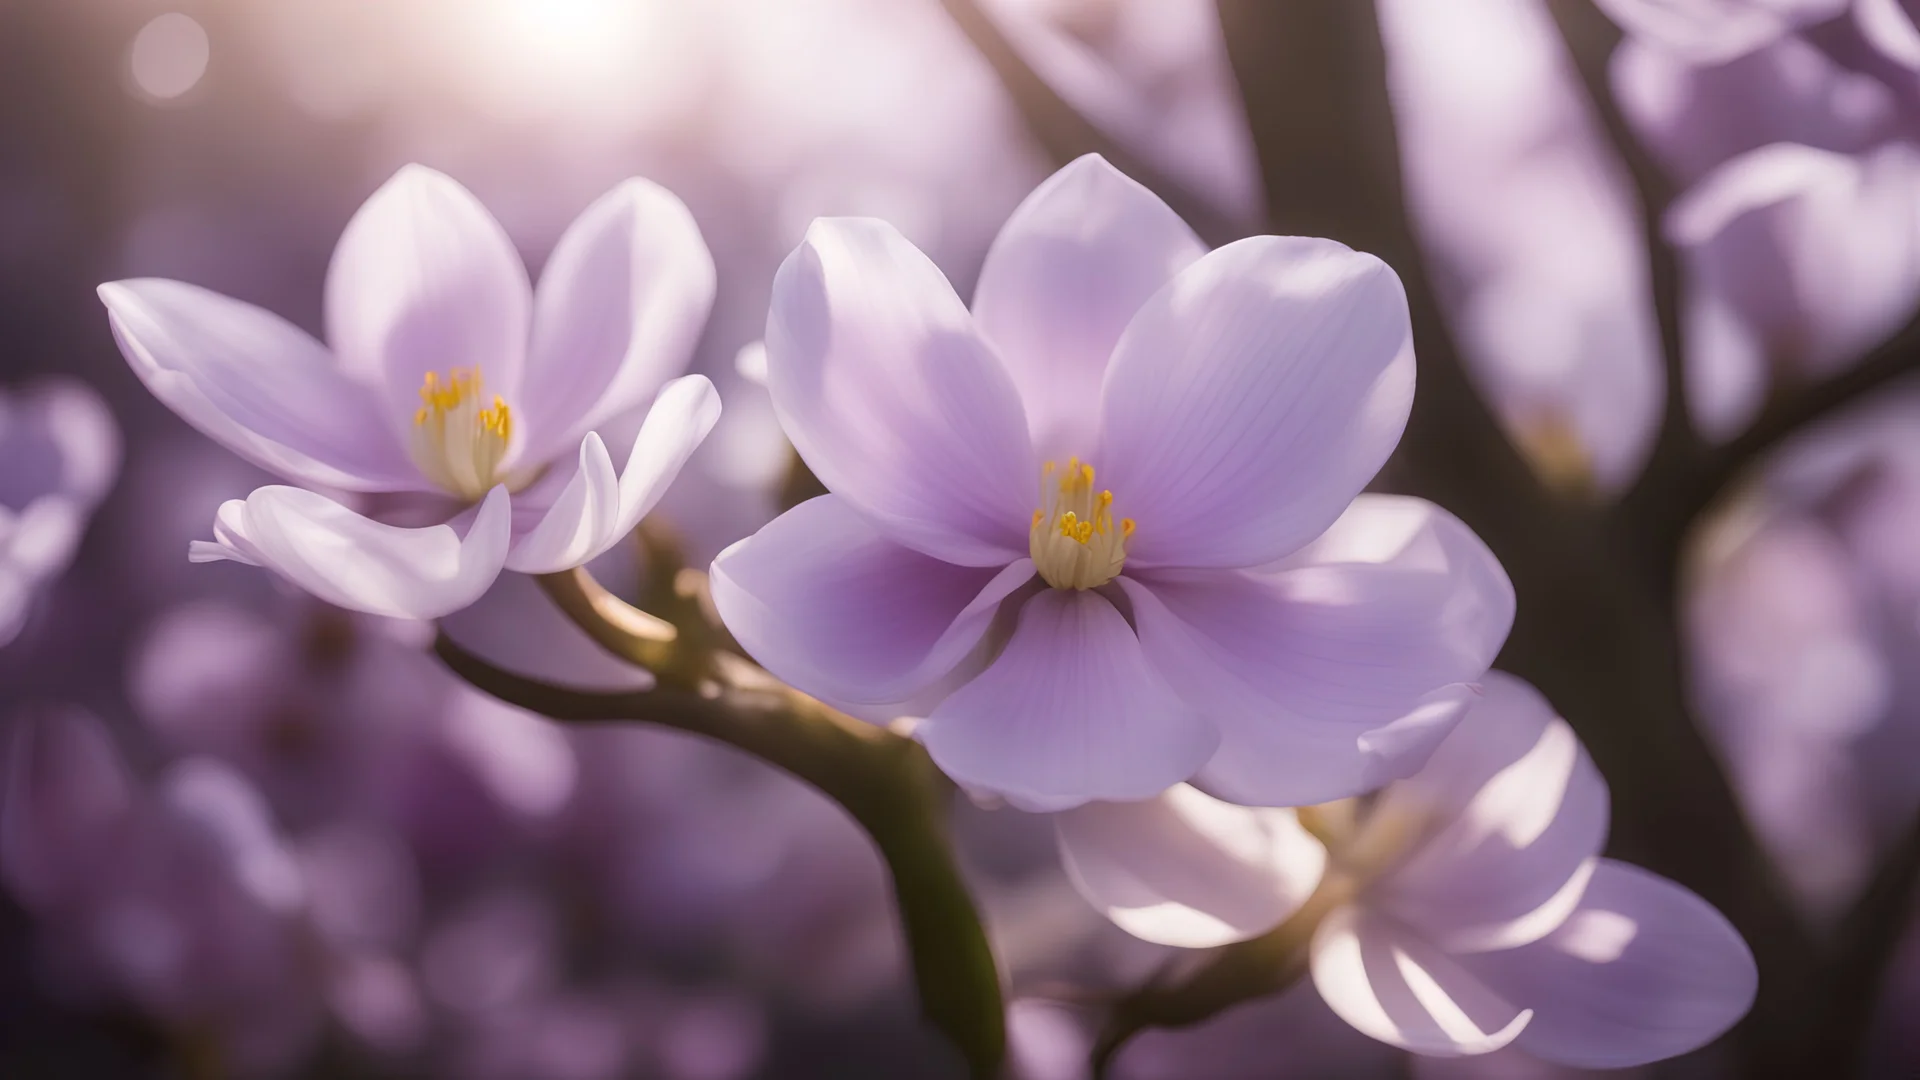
339, 861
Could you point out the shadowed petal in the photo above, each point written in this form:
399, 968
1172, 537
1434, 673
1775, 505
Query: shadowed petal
424, 279
257, 385
1515, 811
1066, 274
596, 509
893, 400
358, 563
1188, 870
1329, 674
1643, 970
1069, 712
1387, 982
828, 603
1252, 398
616, 314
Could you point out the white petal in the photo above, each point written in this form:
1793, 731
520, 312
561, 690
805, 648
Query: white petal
1337, 670
1252, 398
257, 385
1188, 870
424, 279
1387, 982
829, 604
595, 511
1067, 273
1068, 713
893, 400
617, 312
1643, 970
358, 563
1887, 27
1515, 811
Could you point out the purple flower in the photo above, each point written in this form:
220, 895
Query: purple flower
452, 387
1465, 907
1212, 598
61, 450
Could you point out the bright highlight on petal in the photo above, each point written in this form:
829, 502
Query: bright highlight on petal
1074, 541
456, 443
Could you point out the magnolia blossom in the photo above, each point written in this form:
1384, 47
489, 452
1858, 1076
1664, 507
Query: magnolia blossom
1101, 530
61, 450
480, 408
1461, 909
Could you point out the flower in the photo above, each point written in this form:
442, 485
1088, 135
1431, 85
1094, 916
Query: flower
61, 450
450, 386
1462, 909
1139, 461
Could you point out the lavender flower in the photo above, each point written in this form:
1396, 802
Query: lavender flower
452, 386
1461, 909
1283, 636
62, 451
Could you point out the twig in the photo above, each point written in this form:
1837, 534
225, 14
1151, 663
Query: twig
615, 625
884, 781
1064, 133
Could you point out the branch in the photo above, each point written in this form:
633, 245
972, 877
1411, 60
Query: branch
1065, 133
615, 625
884, 781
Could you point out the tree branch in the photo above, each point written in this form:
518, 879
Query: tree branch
884, 781
1064, 133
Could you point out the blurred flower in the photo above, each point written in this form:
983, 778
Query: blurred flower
1532, 231
1461, 909
60, 451
1253, 392
1712, 31
423, 277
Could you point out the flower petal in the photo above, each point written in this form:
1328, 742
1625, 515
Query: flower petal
1337, 670
596, 510
1388, 983
424, 279
1068, 271
1069, 712
893, 400
1643, 970
829, 604
1188, 870
257, 385
1516, 809
616, 314
358, 563
1252, 398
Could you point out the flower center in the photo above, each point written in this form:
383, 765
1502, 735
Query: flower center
1073, 541
457, 443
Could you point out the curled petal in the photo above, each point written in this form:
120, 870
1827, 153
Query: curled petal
424, 279
824, 600
1188, 870
1070, 712
1066, 274
596, 509
1642, 970
618, 310
257, 385
893, 400
1252, 398
358, 563
1386, 981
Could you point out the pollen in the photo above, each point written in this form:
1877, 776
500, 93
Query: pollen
459, 442
1074, 540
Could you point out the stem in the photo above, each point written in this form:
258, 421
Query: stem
615, 625
886, 782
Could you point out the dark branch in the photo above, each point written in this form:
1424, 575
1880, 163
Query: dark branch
1863, 951
1064, 133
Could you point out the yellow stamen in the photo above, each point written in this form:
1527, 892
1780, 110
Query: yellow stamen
1072, 538
456, 443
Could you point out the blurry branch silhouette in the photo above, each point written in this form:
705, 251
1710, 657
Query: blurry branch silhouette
1064, 133
884, 780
